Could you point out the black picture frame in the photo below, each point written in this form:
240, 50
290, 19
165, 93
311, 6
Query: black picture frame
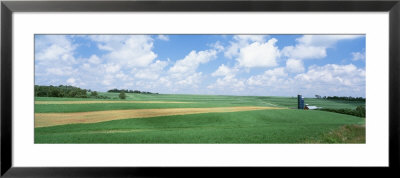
8, 7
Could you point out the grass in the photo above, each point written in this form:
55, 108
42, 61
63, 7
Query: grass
266, 126
262, 126
345, 134
200, 101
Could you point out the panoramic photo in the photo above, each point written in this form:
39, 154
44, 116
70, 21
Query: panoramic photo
200, 88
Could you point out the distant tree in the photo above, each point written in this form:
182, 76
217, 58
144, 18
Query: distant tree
93, 93
318, 96
59, 91
122, 95
360, 110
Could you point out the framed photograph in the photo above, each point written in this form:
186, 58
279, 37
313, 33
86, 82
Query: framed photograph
136, 88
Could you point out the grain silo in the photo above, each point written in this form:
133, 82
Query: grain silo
300, 102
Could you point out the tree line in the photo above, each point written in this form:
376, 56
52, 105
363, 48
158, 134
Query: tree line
60, 91
359, 111
76, 92
129, 91
343, 98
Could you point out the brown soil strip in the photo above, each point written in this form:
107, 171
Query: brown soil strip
53, 119
96, 102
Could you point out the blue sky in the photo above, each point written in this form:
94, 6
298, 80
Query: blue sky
263, 65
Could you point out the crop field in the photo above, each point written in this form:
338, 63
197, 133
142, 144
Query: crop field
168, 118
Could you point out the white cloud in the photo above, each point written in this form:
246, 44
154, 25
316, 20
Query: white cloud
54, 58
232, 50
228, 84
121, 75
228, 80
152, 72
52, 48
259, 54
314, 46
250, 38
294, 66
273, 77
224, 71
358, 56
304, 52
241, 41
111, 68
334, 75
163, 37
183, 72
127, 50
108, 80
60, 71
331, 80
217, 46
324, 40
104, 47
191, 61
71, 81
128, 61
253, 51
192, 80
94, 59
328, 80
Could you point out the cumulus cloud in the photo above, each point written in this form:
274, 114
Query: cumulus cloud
252, 67
54, 58
329, 80
253, 51
294, 66
181, 76
224, 71
334, 75
358, 56
60, 70
163, 37
94, 59
272, 77
228, 84
191, 80
191, 61
314, 46
127, 50
324, 40
259, 54
250, 38
52, 48
71, 81
232, 50
152, 72
217, 46
240, 41
227, 80
304, 52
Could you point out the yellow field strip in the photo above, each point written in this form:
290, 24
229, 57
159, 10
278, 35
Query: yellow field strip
53, 119
95, 102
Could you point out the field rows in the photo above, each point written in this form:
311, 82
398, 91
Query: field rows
53, 119
187, 119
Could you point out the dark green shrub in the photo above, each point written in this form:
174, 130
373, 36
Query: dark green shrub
93, 93
122, 95
359, 111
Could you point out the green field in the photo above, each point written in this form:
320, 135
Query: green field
284, 125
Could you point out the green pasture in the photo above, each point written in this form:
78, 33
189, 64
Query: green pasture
197, 101
264, 126
261, 126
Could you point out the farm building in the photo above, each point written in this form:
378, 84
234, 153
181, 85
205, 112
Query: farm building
301, 105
